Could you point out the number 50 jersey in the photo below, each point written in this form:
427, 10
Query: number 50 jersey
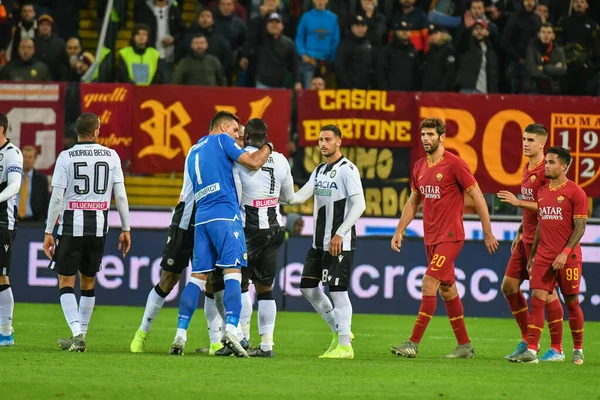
87, 172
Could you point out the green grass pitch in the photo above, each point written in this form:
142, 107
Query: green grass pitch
36, 369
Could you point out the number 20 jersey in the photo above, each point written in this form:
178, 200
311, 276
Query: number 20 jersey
87, 172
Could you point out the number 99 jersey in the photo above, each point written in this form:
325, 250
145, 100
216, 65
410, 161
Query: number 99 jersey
87, 172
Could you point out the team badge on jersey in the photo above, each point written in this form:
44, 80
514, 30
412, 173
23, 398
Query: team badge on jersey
439, 177
170, 262
533, 178
245, 256
560, 199
332, 175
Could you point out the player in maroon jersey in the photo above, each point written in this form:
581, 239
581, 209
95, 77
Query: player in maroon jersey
440, 181
534, 177
556, 253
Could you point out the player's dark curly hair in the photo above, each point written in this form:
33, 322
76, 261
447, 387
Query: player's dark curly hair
434, 123
561, 153
537, 129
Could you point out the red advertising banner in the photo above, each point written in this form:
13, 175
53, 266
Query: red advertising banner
486, 131
167, 121
35, 118
113, 103
369, 118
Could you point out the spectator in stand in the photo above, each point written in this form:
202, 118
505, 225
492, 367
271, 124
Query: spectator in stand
138, 63
520, 29
69, 56
6, 23
375, 21
317, 40
500, 11
317, 83
580, 37
439, 68
399, 62
237, 9
417, 19
26, 28
49, 48
476, 12
228, 24
478, 68
34, 197
66, 14
163, 17
354, 59
25, 67
78, 67
218, 45
199, 68
264, 7
545, 63
543, 11
275, 56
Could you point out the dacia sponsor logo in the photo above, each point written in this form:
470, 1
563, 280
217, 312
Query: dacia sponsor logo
324, 188
215, 187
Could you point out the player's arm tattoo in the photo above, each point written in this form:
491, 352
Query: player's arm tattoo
536, 240
578, 231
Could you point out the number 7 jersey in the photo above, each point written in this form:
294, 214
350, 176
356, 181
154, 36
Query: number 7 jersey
87, 172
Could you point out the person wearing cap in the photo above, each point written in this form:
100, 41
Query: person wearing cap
78, 68
418, 21
478, 66
49, 47
138, 63
25, 67
545, 63
317, 40
354, 59
274, 55
439, 67
518, 32
375, 21
399, 63
199, 68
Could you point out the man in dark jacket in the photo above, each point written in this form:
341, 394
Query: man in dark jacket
439, 68
25, 67
579, 35
399, 64
49, 48
163, 18
34, 196
275, 56
545, 63
199, 68
229, 25
354, 58
218, 45
519, 30
477, 62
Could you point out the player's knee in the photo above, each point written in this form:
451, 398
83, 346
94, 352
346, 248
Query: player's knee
168, 280
540, 295
265, 296
338, 288
571, 298
262, 287
86, 282
66, 281
309, 283
4, 280
509, 287
429, 285
245, 287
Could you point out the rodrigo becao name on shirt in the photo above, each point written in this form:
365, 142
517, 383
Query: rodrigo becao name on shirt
90, 153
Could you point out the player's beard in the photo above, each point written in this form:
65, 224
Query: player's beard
432, 147
328, 154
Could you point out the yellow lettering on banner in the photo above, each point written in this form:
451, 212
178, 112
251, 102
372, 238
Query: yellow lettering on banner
491, 143
257, 108
116, 96
105, 117
356, 129
466, 132
357, 99
162, 129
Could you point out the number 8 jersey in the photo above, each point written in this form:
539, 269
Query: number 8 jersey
87, 172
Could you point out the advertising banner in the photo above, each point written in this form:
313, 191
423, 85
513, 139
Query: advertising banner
36, 118
382, 282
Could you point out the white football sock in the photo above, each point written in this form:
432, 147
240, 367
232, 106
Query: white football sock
153, 306
343, 316
220, 306
246, 315
321, 304
267, 312
68, 303
7, 305
213, 320
86, 308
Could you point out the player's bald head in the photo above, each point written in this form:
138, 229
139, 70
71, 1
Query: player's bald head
87, 124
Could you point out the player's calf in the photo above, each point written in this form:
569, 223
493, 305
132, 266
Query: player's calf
7, 304
267, 312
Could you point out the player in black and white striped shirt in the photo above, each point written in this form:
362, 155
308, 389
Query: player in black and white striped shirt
339, 201
82, 186
11, 167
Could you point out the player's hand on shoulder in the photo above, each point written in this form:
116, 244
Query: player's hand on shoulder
124, 242
490, 242
49, 245
397, 241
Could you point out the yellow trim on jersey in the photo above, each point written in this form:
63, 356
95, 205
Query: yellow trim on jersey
580, 216
556, 188
435, 163
471, 187
536, 165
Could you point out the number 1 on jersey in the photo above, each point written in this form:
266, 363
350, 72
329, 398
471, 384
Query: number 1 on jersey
198, 177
